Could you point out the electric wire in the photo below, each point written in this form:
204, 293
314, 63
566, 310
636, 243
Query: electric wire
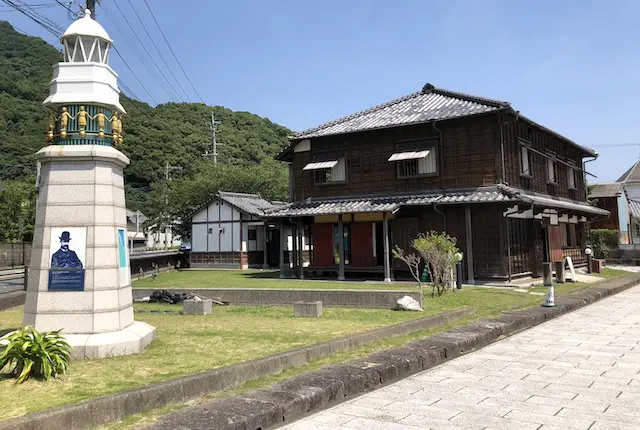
144, 27
170, 91
173, 53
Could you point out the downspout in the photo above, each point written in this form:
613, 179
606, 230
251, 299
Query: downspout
502, 125
444, 216
441, 152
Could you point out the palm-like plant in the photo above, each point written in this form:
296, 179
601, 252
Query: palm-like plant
31, 353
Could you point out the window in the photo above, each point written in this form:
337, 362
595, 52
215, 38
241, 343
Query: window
568, 233
252, 234
572, 174
416, 158
552, 170
328, 169
525, 161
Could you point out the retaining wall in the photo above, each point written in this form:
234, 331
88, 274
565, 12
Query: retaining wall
272, 297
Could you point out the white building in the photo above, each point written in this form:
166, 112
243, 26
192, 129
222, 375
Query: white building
230, 231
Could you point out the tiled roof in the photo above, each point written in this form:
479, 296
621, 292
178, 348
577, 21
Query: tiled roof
552, 202
311, 207
252, 204
631, 175
605, 190
634, 208
429, 104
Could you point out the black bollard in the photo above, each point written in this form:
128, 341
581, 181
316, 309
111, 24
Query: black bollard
459, 275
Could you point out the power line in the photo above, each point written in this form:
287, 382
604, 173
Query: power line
140, 55
173, 53
42, 17
42, 24
144, 27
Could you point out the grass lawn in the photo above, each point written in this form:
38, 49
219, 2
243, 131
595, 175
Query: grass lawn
251, 279
191, 344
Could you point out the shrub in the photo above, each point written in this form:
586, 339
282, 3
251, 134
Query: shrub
34, 354
438, 250
604, 242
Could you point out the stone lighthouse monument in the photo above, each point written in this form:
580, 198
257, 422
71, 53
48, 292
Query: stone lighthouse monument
80, 278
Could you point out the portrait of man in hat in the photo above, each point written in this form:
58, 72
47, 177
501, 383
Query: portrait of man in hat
64, 257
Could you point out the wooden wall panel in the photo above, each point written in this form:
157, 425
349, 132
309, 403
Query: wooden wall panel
323, 245
362, 245
541, 141
466, 159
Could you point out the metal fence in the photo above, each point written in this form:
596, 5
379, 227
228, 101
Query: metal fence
14, 255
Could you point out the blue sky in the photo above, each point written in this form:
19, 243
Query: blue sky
570, 65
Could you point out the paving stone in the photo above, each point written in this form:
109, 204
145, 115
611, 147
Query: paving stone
554, 420
578, 371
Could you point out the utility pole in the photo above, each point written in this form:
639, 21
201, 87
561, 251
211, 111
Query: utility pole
167, 171
91, 5
214, 140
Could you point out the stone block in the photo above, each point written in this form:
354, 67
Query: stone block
104, 215
560, 272
126, 316
307, 309
597, 265
69, 323
104, 279
106, 300
105, 322
74, 194
102, 235
198, 307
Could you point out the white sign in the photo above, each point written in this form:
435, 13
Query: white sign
571, 269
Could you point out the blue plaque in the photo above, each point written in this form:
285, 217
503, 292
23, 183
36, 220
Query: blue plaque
66, 272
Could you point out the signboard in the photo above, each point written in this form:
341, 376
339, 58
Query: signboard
67, 253
123, 258
571, 269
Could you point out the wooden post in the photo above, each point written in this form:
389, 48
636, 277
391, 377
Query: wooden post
341, 248
301, 247
467, 218
265, 261
294, 250
385, 244
283, 246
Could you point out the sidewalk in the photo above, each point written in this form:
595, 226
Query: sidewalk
579, 371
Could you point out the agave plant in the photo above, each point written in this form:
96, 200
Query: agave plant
33, 354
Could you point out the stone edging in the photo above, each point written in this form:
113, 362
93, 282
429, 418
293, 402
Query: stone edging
114, 407
316, 390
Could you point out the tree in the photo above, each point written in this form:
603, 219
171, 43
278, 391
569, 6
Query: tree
17, 211
438, 250
413, 262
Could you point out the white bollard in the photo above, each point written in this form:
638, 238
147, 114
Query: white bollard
549, 301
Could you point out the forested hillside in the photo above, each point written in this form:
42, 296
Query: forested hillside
177, 133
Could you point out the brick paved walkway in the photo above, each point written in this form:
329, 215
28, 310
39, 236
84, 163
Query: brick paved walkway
579, 371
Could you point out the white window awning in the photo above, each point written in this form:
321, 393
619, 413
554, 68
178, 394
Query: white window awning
409, 155
321, 165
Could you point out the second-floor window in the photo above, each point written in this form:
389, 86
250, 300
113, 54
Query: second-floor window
572, 177
328, 168
416, 159
552, 170
525, 159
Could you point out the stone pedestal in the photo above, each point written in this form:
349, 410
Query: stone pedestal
81, 197
561, 274
307, 309
198, 307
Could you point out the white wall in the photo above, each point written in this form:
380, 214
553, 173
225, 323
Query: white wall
199, 238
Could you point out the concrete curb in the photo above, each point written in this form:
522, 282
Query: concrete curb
12, 299
102, 410
285, 297
316, 390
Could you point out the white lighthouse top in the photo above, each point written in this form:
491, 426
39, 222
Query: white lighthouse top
86, 26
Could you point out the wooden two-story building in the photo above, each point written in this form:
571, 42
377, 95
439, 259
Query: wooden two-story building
510, 190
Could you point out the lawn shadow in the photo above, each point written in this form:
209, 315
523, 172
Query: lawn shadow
262, 275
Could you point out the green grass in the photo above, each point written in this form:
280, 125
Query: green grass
190, 344
191, 279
